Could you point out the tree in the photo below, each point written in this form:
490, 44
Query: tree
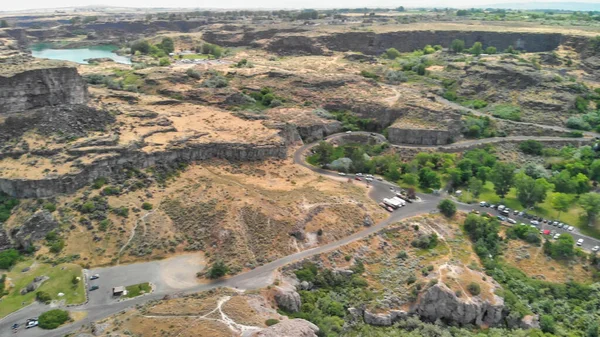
8, 258
392, 53
547, 324
590, 202
218, 269
531, 191
142, 46
483, 173
562, 248
75, 280
429, 179
490, 50
447, 208
457, 46
4, 24
595, 170
502, 175
561, 202
477, 49
167, 45
475, 186
53, 319
531, 147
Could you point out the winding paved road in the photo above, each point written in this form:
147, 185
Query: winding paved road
100, 307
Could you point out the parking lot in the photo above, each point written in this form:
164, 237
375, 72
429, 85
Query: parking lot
550, 225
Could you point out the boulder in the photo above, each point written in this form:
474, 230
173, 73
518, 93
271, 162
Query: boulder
289, 328
367, 221
440, 302
386, 319
287, 299
35, 228
36, 283
304, 285
530, 322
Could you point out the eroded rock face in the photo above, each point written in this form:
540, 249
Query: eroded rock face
440, 302
287, 299
386, 319
289, 328
41, 87
35, 228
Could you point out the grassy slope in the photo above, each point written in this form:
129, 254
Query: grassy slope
136, 289
59, 282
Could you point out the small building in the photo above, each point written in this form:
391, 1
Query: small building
118, 291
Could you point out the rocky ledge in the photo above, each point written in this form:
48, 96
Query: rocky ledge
25, 87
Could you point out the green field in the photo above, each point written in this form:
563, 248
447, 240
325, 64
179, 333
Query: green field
59, 282
195, 56
138, 289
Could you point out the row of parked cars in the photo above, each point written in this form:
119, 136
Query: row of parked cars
535, 222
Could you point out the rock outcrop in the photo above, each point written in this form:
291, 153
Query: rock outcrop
440, 302
33, 285
35, 228
287, 299
289, 328
22, 89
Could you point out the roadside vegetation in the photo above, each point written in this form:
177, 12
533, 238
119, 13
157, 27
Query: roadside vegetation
138, 289
52, 319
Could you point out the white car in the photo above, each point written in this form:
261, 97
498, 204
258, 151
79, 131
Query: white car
556, 236
571, 228
501, 207
579, 242
348, 131
341, 174
534, 222
595, 249
359, 174
31, 324
512, 221
482, 203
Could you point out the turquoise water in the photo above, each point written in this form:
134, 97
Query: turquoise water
79, 54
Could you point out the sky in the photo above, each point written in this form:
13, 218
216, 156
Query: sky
8, 5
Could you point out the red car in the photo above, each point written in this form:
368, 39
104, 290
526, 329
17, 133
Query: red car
389, 209
358, 178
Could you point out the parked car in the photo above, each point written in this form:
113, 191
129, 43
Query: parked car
348, 131
571, 228
94, 287
501, 218
555, 223
501, 207
31, 324
546, 232
492, 206
389, 209
556, 236
341, 174
359, 174
512, 221
357, 178
595, 249
95, 277
515, 212
521, 214
560, 225
482, 203
534, 222
505, 212
579, 242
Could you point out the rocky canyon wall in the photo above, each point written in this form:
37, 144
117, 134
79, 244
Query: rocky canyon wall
29, 89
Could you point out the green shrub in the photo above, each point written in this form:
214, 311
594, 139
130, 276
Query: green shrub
218, 270
164, 61
122, 211
447, 208
147, 206
88, 207
392, 53
50, 207
7, 203
531, 147
271, 321
507, 111
474, 288
368, 74
8, 258
43, 297
53, 319
195, 74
